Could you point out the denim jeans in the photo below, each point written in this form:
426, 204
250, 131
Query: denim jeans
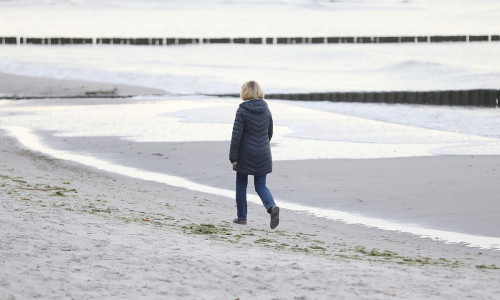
260, 188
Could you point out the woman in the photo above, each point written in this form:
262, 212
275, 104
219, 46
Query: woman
250, 151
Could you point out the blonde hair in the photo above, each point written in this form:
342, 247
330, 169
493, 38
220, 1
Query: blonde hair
251, 90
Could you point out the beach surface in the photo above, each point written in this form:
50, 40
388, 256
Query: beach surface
72, 231
454, 193
16, 86
69, 231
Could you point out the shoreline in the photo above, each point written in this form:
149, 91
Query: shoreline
120, 228
449, 193
438, 198
12, 86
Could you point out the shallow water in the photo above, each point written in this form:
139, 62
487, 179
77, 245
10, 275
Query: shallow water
302, 130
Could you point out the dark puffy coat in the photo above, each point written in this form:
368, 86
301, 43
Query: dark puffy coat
252, 132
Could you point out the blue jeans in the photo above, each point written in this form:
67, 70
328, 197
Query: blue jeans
260, 188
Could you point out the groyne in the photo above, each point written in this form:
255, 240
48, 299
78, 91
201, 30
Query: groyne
479, 97
171, 41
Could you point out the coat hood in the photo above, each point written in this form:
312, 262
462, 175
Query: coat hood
256, 106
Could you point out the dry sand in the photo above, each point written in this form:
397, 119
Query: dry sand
71, 231
16, 86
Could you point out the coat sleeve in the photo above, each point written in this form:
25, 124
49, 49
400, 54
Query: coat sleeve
270, 130
238, 129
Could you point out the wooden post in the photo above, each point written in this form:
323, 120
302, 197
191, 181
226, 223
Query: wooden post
282, 40
333, 40
255, 40
219, 40
10, 40
478, 38
369, 97
474, 98
399, 97
364, 40
347, 40
408, 39
464, 98
419, 97
379, 97
436, 98
239, 41
488, 98
422, 39
454, 98
328, 97
388, 39
411, 97
390, 97
318, 40
445, 98
316, 96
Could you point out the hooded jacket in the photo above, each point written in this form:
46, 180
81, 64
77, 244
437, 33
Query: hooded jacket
252, 132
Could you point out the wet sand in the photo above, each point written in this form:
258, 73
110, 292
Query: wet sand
453, 193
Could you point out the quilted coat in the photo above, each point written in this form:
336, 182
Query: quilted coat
252, 132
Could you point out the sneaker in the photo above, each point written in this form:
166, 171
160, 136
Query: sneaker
275, 216
240, 221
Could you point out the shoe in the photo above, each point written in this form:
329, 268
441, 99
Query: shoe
275, 216
240, 221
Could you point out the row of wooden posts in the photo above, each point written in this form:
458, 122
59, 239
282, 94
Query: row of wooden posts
480, 97
483, 97
248, 40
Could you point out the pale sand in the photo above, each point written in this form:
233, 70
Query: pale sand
25, 86
111, 236
70, 231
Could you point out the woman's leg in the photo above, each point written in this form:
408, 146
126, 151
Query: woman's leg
241, 195
263, 191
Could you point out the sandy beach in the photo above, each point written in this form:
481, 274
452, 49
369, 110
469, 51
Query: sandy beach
455, 193
16, 86
72, 231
